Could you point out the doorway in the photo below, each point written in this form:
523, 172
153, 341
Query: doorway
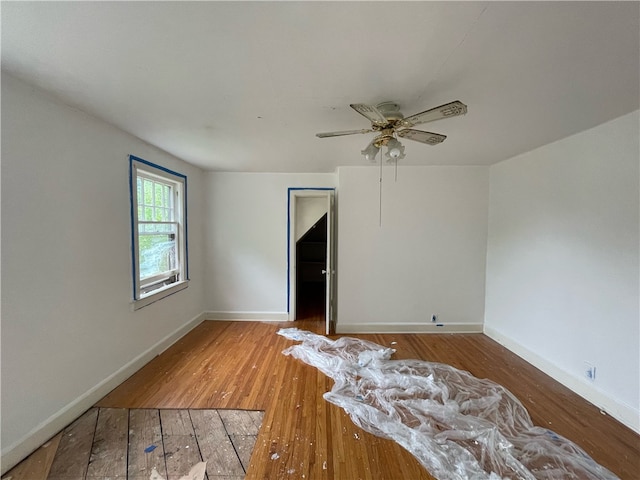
311, 265
311, 257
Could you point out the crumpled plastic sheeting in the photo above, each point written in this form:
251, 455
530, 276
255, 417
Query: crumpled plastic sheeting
459, 427
197, 472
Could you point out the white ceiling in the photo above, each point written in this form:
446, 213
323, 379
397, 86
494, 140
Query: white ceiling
244, 86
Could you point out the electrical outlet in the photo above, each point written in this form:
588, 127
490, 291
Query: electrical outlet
434, 318
589, 371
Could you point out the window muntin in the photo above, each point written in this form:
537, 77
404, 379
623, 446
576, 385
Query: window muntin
159, 240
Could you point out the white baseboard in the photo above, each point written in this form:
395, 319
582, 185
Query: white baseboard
618, 410
409, 328
248, 316
18, 451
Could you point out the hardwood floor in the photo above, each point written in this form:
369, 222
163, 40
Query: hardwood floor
239, 365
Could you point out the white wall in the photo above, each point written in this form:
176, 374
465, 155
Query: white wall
563, 263
427, 257
246, 231
68, 332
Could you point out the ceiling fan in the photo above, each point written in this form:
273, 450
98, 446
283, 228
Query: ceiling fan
387, 120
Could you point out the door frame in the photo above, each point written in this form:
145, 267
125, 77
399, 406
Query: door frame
292, 194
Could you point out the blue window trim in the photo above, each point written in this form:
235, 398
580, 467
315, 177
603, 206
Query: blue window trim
289, 190
134, 270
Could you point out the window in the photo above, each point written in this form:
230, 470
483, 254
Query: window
158, 231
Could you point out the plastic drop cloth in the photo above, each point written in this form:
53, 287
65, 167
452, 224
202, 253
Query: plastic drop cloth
458, 427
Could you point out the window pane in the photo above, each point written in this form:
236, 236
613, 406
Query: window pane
159, 215
157, 250
167, 198
148, 214
158, 195
148, 192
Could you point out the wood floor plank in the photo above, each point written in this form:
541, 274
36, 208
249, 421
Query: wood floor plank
257, 416
239, 422
176, 423
72, 457
109, 450
180, 445
215, 445
146, 450
38, 464
243, 445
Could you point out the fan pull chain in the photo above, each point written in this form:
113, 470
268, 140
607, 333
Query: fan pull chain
380, 210
395, 161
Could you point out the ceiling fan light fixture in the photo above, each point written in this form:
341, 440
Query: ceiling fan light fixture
395, 150
370, 152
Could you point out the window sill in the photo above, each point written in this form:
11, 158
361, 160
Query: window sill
159, 295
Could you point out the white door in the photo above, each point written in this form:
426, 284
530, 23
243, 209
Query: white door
330, 270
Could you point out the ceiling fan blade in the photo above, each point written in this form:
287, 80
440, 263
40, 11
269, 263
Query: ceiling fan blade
422, 137
443, 111
372, 113
344, 132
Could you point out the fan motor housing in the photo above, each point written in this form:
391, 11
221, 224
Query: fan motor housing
390, 110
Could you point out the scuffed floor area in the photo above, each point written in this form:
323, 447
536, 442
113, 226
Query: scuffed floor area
143, 444
456, 425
